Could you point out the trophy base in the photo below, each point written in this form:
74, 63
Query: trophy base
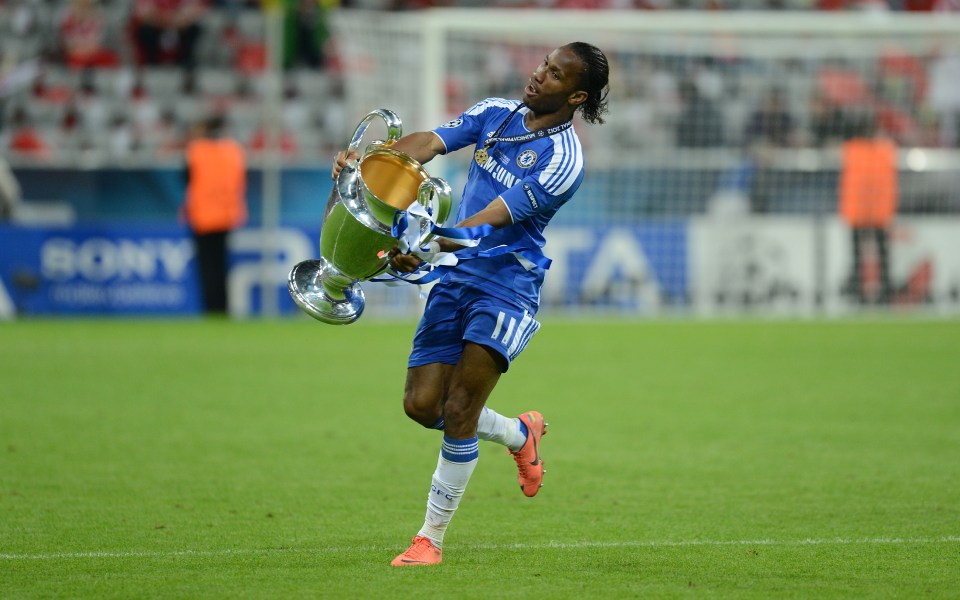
305, 284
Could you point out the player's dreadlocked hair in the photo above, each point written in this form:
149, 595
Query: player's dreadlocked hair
595, 77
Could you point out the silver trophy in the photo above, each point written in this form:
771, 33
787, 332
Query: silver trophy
356, 234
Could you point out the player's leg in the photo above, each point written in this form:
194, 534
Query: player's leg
423, 399
507, 329
437, 347
470, 383
424, 393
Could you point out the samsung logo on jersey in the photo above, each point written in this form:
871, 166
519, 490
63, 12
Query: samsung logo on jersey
533, 199
499, 173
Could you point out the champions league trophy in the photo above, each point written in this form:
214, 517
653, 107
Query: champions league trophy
357, 231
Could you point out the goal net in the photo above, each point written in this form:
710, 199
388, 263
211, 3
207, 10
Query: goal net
716, 184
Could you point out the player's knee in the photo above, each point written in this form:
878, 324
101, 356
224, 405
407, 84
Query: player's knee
423, 412
459, 416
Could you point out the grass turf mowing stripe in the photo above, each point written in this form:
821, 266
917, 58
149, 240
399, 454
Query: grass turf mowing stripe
949, 539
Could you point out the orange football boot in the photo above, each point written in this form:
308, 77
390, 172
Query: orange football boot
421, 552
529, 463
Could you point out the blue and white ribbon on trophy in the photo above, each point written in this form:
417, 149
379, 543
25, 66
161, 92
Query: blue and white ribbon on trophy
409, 227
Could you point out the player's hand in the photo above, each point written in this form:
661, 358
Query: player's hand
340, 160
404, 263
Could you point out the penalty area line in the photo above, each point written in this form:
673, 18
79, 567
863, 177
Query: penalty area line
949, 539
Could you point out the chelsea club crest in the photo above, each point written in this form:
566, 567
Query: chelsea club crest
526, 159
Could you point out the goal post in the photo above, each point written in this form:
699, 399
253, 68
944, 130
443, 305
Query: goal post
714, 185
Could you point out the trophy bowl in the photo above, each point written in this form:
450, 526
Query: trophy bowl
357, 231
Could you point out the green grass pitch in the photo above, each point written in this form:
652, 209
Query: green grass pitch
216, 459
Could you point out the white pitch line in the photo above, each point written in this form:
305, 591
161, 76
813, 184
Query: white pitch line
949, 539
667, 544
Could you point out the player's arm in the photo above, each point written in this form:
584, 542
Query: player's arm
496, 214
422, 146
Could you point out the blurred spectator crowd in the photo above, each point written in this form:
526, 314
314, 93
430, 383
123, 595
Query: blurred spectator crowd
122, 80
94, 81
704, 102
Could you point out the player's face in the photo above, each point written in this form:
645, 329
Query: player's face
554, 85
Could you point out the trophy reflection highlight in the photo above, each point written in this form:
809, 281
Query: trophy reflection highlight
357, 229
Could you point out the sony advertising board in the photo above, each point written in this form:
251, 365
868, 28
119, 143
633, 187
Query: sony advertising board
150, 270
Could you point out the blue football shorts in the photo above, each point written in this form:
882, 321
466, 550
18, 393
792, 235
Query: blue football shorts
456, 313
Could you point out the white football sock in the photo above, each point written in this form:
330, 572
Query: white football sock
494, 427
457, 460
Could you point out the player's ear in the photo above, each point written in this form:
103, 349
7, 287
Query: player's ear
577, 98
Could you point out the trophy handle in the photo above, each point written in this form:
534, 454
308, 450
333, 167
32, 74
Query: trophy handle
390, 119
435, 193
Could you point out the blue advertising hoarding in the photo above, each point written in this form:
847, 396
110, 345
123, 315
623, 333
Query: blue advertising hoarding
142, 269
98, 269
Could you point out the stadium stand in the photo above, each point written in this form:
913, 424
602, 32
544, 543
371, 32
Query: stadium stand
72, 98
713, 186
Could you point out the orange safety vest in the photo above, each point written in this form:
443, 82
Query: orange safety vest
868, 182
216, 193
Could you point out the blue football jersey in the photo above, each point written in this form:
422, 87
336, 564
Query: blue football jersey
534, 178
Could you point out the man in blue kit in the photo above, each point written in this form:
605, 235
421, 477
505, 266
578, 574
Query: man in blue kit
479, 316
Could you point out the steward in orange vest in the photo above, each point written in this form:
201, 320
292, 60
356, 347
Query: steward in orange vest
215, 204
868, 203
868, 182
217, 185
